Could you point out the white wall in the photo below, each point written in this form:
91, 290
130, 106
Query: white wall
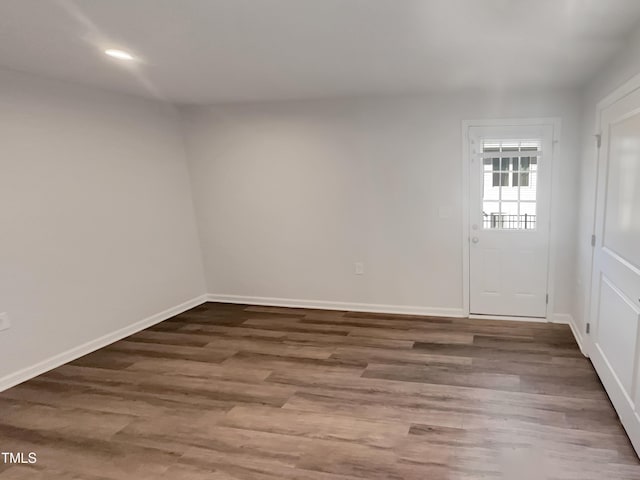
290, 194
97, 223
616, 72
96, 218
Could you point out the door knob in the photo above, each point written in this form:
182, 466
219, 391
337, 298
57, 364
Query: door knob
475, 239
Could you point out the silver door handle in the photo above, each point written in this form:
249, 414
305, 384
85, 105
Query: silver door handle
475, 239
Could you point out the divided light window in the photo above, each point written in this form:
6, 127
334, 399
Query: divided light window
510, 169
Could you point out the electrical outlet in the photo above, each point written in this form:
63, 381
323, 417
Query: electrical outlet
358, 268
4, 321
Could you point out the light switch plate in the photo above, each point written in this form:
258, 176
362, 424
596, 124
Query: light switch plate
4, 321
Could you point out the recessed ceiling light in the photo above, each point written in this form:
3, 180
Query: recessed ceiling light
120, 54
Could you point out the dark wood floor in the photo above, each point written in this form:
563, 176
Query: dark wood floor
241, 392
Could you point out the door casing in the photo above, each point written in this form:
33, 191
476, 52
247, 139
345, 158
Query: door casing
624, 401
625, 89
553, 122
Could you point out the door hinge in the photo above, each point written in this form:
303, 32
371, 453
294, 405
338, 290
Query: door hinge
547, 299
588, 329
598, 140
593, 240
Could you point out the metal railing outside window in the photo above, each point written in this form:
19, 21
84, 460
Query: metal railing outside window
509, 222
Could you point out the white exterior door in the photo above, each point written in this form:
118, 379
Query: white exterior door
510, 185
615, 294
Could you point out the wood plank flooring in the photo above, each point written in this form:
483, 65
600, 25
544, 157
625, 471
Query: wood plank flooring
263, 393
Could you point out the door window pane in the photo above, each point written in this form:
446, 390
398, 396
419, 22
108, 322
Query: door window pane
510, 169
500, 171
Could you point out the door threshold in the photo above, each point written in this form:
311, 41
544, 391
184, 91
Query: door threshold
476, 316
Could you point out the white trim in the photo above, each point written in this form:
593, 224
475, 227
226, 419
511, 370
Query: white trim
475, 316
556, 124
553, 218
466, 237
567, 319
622, 91
562, 318
621, 402
619, 93
39, 368
587, 298
342, 306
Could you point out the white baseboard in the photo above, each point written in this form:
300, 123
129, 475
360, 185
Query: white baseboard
476, 316
346, 306
562, 318
39, 368
623, 404
568, 319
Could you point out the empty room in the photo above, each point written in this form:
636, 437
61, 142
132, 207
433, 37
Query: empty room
319, 239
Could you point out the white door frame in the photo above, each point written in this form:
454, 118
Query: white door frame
619, 93
622, 400
555, 123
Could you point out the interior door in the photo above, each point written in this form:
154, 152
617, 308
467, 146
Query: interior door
615, 295
510, 184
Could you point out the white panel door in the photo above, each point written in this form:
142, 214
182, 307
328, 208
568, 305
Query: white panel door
510, 184
615, 295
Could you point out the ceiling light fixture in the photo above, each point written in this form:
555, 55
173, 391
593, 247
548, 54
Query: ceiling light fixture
119, 54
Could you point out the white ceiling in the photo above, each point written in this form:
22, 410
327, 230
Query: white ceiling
204, 51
